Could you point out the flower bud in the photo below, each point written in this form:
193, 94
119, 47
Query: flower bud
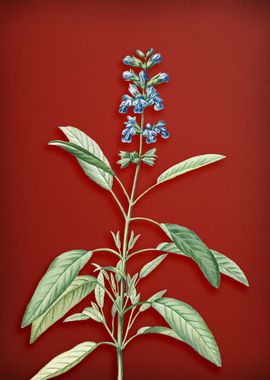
130, 75
143, 78
132, 61
150, 52
140, 53
157, 79
155, 59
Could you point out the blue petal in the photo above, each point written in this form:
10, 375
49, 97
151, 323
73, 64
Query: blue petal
165, 134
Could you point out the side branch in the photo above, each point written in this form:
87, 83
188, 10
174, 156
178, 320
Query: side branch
145, 219
145, 192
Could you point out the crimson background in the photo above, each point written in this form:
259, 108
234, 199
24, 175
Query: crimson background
61, 65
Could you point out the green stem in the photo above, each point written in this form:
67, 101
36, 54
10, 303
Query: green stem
124, 258
145, 192
122, 186
145, 219
120, 363
119, 203
141, 251
106, 250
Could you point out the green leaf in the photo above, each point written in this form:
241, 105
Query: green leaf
77, 290
116, 270
116, 306
76, 317
98, 175
82, 154
158, 330
189, 326
59, 275
149, 267
153, 298
188, 165
99, 290
226, 265
116, 238
65, 361
191, 245
149, 157
230, 268
132, 240
93, 313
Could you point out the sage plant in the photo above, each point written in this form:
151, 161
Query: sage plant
61, 288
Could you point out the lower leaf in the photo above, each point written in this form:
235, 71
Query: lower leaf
189, 326
77, 290
65, 361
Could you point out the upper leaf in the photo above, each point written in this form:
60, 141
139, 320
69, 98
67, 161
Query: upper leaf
149, 267
188, 165
226, 265
98, 175
82, 154
59, 275
77, 290
65, 361
189, 326
189, 243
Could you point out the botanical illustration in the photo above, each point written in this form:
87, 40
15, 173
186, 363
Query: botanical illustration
62, 287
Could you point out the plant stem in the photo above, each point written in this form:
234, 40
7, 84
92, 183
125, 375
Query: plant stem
141, 251
124, 258
122, 186
120, 363
118, 202
145, 192
145, 219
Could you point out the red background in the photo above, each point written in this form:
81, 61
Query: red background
61, 65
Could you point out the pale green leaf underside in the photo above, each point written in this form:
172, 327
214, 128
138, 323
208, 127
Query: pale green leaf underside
77, 290
59, 275
189, 243
159, 330
226, 265
65, 361
102, 178
189, 326
149, 267
189, 165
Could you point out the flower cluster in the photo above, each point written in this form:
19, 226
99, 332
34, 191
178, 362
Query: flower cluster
151, 131
143, 94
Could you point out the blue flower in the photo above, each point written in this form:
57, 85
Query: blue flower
154, 98
160, 128
132, 61
151, 131
155, 59
133, 90
139, 104
143, 78
130, 130
150, 134
125, 104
